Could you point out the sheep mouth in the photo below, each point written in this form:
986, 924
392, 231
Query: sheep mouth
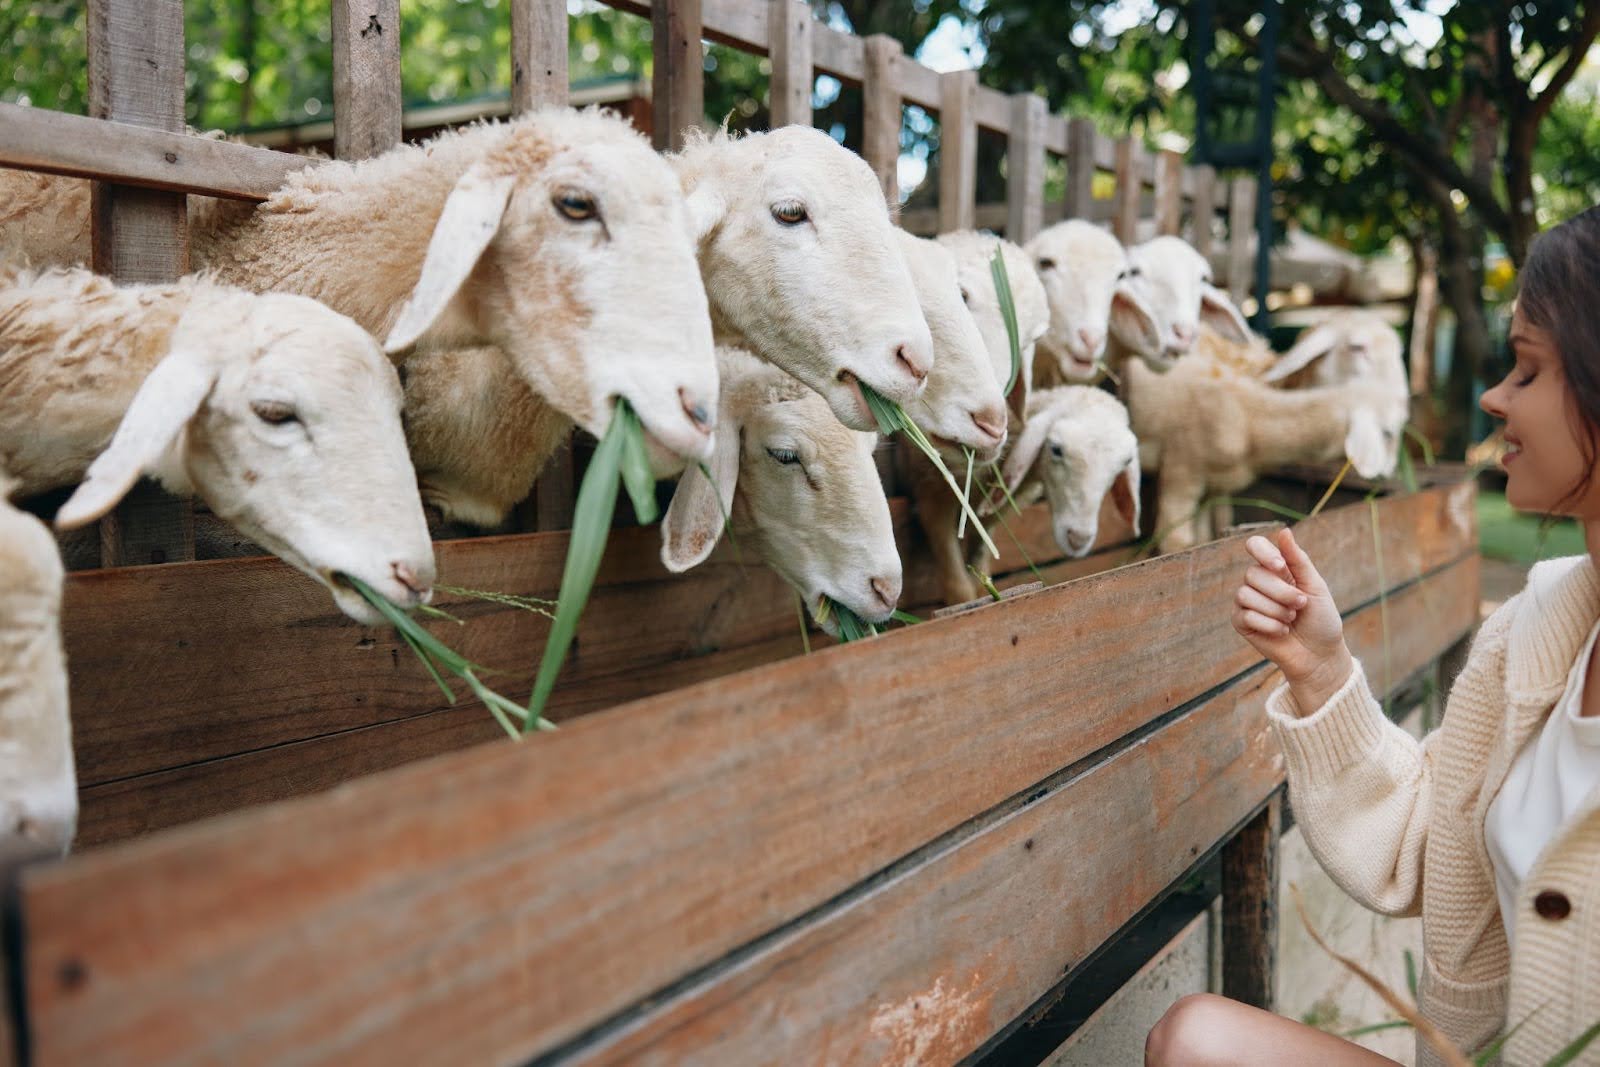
858, 398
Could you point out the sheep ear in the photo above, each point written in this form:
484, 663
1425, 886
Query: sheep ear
1218, 311
1364, 444
706, 208
694, 521
470, 219
1308, 347
1125, 493
1024, 453
1133, 321
162, 407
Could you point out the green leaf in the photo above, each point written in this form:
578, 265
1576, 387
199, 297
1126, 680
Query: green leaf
1008, 311
905, 617
1576, 1049
852, 627
1411, 973
637, 476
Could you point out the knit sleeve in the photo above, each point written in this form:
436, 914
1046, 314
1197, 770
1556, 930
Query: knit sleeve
1362, 787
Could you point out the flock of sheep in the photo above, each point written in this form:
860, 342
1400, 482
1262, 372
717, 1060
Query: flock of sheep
440, 317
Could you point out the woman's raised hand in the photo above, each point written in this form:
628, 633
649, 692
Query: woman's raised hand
1285, 611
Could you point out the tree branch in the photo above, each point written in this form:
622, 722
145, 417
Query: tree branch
1577, 50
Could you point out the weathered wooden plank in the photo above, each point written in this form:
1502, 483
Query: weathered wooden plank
992, 109
1241, 237
366, 77
1080, 168
1250, 908
684, 827
1130, 191
789, 23
880, 113
1169, 192
958, 150
1025, 168
679, 77
1203, 209
538, 54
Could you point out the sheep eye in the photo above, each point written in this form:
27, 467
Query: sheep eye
966, 296
274, 412
1056, 451
1047, 264
786, 456
790, 212
575, 205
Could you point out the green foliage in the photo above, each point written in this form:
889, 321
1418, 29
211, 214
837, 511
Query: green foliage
1506, 534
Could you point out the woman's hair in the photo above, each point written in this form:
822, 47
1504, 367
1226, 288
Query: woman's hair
1559, 292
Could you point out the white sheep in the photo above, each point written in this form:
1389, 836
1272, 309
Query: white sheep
38, 784
1217, 433
1348, 345
801, 265
1076, 449
1086, 276
281, 414
799, 490
1175, 283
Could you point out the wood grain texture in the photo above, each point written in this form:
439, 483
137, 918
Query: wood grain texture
678, 79
518, 895
1241, 237
1169, 192
789, 24
881, 118
555, 493
1130, 191
1203, 209
538, 54
366, 77
1080, 168
958, 149
1025, 167
1250, 908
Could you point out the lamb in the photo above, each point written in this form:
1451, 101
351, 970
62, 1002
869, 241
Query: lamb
1349, 345
282, 415
801, 265
1217, 433
38, 784
1086, 276
798, 488
1175, 282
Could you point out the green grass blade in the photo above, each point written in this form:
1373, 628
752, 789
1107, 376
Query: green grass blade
1422, 442
985, 581
427, 661
905, 617
966, 493
805, 629
1375, 1028
439, 613
635, 465
1327, 496
535, 605
1257, 502
852, 627
1411, 973
1576, 1049
1008, 311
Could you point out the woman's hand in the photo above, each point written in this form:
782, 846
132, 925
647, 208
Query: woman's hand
1285, 611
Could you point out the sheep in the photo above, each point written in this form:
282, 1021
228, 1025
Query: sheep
1217, 433
801, 265
797, 487
282, 415
38, 785
1086, 276
1350, 344
1175, 282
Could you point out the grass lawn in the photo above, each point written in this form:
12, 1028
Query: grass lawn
1518, 538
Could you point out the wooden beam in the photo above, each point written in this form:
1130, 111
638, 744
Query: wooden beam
1250, 907
1025, 167
1130, 191
1203, 210
538, 54
366, 77
556, 491
679, 78
1080, 168
958, 150
881, 119
789, 23
1241, 237
1169, 192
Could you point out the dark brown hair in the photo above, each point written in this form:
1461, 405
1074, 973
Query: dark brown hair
1559, 292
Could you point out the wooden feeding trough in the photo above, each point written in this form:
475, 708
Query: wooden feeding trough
896, 851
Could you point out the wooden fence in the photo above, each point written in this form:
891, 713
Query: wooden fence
891, 852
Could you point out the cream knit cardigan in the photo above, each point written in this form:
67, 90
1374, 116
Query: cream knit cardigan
1398, 824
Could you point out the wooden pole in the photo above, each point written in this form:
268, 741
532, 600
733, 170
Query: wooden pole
1203, 209
1025, 167
789, 24
1241, 230
880, 106
1080, 168
958, 150
538, 54
1130, 190
366, 77
679, 79
1250, 908
1169, 193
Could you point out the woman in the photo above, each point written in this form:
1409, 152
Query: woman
1489, 827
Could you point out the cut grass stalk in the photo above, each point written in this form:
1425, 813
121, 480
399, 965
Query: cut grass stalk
1008, 311
892, 419
1344, 470
852, 627
805, 630
966, 494
532, 604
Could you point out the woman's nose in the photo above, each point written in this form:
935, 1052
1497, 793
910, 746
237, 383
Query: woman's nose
1490, 402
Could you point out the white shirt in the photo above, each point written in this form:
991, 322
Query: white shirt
1548, 782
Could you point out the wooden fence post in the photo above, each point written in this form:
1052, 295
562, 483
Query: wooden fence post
1025, 168
136, 63
1241, 229
958, 150
1169, 192
880, 113
538, 54
678, 83
1130, 191
366, 77
1080, 168
789, 95
1250, 908
1203, 209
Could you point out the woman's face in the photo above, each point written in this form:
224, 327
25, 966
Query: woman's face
1544, 459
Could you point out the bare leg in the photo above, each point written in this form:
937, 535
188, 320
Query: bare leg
1205, 1030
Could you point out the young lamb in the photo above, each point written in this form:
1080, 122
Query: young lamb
1175, 282
1215, 434
281, 414
799, 489
38, 784
801, 266
1350, 344
1087, 281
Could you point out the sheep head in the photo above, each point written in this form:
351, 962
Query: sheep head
973, 252
581, 252
800, 263
1352, 345
962, 406
285, 418
1175, 282
1086, 276
1076, 449
799, 488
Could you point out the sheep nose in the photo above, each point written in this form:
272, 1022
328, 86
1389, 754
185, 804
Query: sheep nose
418, 586
1184, 333
887, 590
991, 422
1091, 339
916, 362
1078, 541
698, 412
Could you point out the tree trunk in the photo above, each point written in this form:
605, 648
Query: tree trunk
1461, 285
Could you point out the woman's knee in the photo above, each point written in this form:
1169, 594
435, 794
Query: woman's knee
1193, 1033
